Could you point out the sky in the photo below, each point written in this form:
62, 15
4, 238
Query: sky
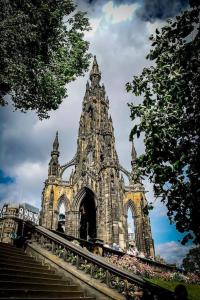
119, 39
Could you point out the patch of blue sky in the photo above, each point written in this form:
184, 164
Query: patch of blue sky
5, 179
163, 231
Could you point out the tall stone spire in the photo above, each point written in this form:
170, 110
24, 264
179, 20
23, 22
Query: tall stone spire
95, 74
54, 163
96, 140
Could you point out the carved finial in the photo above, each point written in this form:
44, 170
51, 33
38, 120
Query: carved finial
95, 74
56, 143
133, 154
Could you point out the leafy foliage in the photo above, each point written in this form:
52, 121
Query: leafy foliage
42, 49
191, 263
170, 118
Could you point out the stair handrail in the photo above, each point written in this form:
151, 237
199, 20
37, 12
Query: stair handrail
123, 281
110, 251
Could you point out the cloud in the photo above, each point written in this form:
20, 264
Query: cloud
160, 9
172, 252
28, 183
94, 24
116, 14
119, 38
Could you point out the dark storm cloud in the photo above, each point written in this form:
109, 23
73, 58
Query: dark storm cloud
151, 10
94, 7
19, 141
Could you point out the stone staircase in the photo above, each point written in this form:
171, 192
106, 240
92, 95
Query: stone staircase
21, 277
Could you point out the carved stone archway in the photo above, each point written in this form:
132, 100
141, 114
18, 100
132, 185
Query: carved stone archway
63, 200
84, 214
130, 206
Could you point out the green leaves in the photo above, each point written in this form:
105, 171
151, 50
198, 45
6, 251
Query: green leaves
169, 117
41, 51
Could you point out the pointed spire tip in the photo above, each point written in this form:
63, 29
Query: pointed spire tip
133, 152
56, 143
95, 69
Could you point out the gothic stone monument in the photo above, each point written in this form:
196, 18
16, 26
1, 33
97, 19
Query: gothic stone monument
95, 198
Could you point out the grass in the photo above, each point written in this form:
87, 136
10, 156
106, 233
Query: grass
193, 289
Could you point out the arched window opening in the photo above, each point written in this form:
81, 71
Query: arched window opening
87, 212
61, 216
131, 226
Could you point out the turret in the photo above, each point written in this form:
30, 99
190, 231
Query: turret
56, 143
54, 163
133, 156
133, 176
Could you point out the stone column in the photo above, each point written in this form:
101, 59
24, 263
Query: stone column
55, 220
75, 221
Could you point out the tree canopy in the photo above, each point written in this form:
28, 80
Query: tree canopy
191, 263
169, 117
42, 48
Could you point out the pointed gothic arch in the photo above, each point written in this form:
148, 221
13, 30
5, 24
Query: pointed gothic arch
130, 213
85, 206
63, 200
80, 195
63, 207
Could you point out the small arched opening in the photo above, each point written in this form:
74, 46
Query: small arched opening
131, 223
61, 214
87, 213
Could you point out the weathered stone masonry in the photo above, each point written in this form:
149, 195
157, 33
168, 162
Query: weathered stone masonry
95, 197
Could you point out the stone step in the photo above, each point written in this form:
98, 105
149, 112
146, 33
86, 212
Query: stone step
27, 263
23, 265
6, 256
21, 285
10, 248
6, 244
35, 293
31, 278
39, 273
21, 277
